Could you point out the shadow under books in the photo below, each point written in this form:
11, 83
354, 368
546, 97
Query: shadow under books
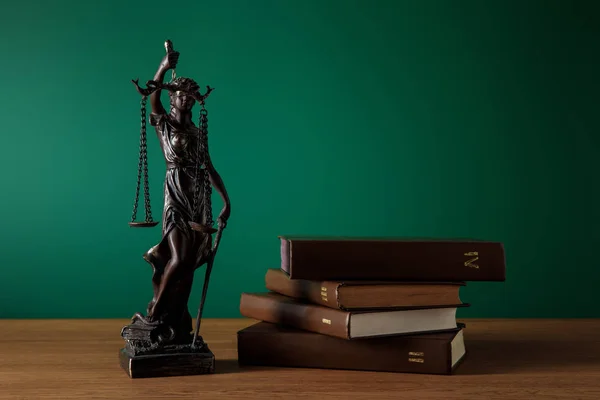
497, 356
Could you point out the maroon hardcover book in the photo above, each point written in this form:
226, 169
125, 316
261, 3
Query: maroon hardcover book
400, 259
268, 344
283, 310
365, 295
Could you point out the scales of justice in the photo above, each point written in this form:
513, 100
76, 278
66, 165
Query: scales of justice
163, 342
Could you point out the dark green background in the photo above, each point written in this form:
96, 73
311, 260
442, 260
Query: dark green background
417, 118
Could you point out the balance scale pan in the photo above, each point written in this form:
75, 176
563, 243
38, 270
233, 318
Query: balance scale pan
143, 224
202, 228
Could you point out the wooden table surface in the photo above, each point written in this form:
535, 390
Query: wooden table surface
508, 359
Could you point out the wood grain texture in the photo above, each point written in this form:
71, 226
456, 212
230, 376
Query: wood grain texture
508, 359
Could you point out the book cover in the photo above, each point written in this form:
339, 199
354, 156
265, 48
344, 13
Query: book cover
267, 344
400, 259
365, 295
283, 310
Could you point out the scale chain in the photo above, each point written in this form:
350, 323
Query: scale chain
141, 158
197, 172
145, 163
206, 182
202, 154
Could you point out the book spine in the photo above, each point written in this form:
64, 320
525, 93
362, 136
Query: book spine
327, 260
322, 293
309, 317
307, 350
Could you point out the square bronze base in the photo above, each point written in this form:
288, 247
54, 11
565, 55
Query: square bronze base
171, 364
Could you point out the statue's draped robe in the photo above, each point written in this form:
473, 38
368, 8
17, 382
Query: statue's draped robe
183, 162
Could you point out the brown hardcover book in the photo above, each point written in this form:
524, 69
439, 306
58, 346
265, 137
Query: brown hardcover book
365, 295
283, 310
268, 344
400, 259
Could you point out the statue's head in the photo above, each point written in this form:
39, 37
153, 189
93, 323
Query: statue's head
181, 92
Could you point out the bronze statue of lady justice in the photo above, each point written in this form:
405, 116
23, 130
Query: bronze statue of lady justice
162, 342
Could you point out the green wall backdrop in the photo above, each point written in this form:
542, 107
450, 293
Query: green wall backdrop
417, 118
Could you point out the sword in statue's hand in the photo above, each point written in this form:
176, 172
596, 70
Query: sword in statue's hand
209, 266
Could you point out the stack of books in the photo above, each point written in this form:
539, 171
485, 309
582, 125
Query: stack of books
373, 304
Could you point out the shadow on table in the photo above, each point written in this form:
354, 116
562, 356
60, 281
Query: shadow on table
231, 367
497, 356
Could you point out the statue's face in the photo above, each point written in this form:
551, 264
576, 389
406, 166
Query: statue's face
183, 101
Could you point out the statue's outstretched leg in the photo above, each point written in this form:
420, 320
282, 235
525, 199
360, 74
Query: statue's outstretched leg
157, 257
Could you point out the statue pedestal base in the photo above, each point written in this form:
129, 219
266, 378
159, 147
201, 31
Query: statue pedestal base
168, 364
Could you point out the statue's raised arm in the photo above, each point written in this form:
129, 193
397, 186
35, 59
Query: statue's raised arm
168, 62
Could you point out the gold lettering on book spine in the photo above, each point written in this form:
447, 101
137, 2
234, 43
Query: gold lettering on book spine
326, 321
416, 356
323, 293
471, 261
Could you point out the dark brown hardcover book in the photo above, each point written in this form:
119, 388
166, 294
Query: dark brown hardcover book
283, 310
400, 259
268, 344
365, 295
